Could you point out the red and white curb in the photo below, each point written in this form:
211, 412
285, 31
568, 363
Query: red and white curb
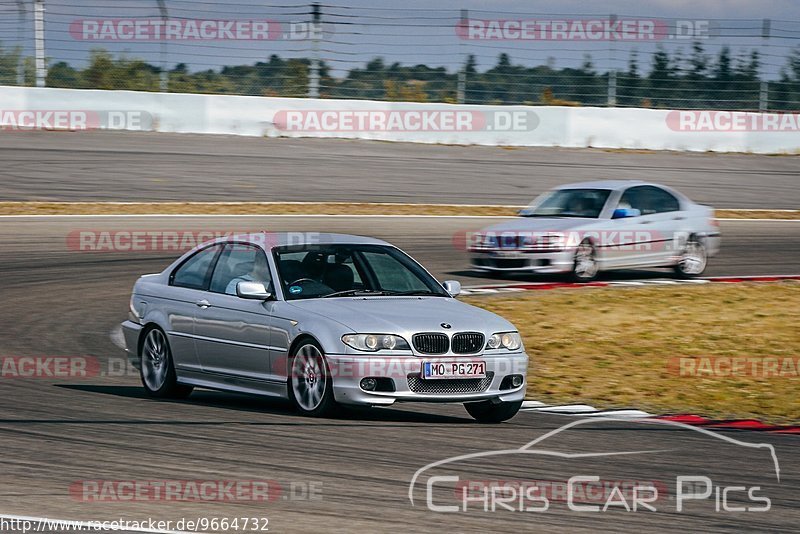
534, 286
584, 410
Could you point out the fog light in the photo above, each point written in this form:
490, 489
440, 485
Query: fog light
369, 384
516, 381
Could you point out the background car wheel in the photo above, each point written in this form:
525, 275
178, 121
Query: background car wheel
584, 268
310, 381
156, 369
693, 260
489, 412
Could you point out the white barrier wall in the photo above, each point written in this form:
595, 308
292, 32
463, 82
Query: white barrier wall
401, 121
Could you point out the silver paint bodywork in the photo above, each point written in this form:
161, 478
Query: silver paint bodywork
225, 342
673, 227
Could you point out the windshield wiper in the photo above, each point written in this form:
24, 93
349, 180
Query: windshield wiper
416, 293
355, 293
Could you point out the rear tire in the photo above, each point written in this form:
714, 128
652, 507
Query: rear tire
310, 381
490, 413
156, 368
693, 260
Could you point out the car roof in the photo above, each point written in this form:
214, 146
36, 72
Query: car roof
277, 239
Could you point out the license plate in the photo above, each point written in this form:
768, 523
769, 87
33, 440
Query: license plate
507, 254
453, 369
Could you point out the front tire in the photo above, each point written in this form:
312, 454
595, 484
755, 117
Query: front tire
310, 381
693, 259
157, 370
489, 412
584, 266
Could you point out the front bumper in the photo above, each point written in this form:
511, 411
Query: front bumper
523, 261
131, 332
403, 372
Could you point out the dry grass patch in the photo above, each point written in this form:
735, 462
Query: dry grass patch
611, 348
300, 208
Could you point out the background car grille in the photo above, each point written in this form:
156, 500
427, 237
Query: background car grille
454, 385
468, 342
431, 343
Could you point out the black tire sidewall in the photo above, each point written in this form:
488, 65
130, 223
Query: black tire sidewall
573, 275
487, 412
328, 403
170, 388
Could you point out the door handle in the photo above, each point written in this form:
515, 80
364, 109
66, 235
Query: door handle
203, 303
679, 218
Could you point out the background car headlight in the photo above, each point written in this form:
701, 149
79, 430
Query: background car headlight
506, 340
375, 342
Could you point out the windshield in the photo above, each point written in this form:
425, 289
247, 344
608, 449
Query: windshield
322, 271
586, 203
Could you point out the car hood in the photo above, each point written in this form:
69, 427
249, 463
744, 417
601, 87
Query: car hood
405, 315
540, 224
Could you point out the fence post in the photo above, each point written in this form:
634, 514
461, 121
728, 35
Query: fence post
164, 83
41, 68
763, 93
20, 40
612, 72
313, 79
462, 73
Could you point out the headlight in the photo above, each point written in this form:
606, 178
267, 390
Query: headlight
375, 342
506, 340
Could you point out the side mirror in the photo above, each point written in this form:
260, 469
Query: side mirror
253, 291
624, 213
453, 287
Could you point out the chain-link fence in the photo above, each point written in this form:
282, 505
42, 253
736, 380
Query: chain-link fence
442, 54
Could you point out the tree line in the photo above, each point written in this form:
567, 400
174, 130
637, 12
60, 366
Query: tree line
699, 80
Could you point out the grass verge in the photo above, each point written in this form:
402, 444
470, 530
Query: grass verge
302, 208
615, 348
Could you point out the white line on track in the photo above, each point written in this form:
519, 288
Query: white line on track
310, 215
579, 410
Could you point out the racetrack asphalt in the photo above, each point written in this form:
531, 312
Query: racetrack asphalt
61, 302
58, 432
131, 166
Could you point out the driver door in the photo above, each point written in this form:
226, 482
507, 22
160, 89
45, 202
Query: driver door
232, 334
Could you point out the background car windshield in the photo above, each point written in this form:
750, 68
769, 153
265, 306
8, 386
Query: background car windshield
587, 203
327, 270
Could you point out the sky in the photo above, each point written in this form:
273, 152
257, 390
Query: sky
411, 32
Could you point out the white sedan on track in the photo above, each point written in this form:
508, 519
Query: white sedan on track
585, 228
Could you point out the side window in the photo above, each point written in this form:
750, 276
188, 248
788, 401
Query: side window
239, 263
633, 198
661, 201
194, 272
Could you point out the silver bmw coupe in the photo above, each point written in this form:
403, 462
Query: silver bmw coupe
322, 320
585, 228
